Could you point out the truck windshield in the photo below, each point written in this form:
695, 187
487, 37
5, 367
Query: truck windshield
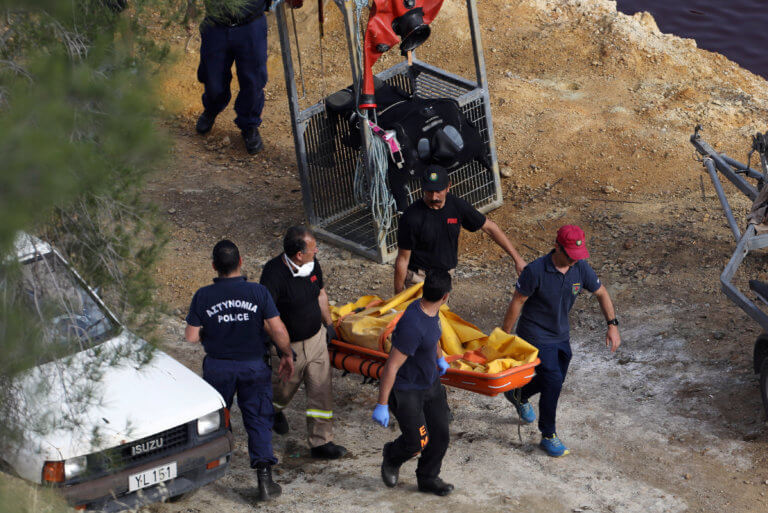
73, 321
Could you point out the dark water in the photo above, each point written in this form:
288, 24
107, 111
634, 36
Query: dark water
736, 28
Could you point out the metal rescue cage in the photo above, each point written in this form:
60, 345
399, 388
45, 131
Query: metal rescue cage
327, 165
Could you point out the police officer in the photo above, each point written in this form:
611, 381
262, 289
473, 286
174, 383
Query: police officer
295, 280
544, 294
236, 35
411, 388
232, 318
428, 232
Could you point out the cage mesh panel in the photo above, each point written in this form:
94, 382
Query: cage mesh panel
431, 86
402, 81
331, 166
356, 226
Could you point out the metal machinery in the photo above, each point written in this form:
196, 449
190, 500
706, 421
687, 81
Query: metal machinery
327, 166
749, 240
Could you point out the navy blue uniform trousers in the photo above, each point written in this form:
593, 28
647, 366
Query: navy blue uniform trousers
252, 382
548, 381
246, 46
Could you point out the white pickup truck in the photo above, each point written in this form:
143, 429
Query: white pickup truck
143, 432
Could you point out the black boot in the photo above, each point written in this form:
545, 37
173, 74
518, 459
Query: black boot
328, 451
267, 489
436, 486
280, 424
205, 122
389, 472
253, 143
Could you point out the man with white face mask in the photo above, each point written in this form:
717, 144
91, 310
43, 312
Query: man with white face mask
295, 281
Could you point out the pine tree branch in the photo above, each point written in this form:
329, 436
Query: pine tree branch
16, 68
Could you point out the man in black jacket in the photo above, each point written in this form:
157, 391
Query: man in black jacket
235, 35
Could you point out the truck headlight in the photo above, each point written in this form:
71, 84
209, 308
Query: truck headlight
73, 467
209, 423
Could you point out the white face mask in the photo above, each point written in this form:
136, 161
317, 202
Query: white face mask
300, 271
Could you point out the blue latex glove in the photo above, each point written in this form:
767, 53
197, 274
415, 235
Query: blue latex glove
381, 414
442, 365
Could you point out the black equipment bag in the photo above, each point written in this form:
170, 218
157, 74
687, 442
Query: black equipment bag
429, 130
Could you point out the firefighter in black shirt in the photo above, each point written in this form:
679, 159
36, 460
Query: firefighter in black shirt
295, 281
428, 233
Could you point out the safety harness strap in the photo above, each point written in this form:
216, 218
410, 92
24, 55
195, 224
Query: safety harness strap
390, 139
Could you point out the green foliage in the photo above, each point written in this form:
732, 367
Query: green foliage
77, 140
76, 111
225, 10
20, 497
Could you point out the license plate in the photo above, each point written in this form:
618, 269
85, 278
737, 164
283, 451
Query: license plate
151, 477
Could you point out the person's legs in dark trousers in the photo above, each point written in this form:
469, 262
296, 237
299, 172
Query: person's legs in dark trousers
407, 407
252, 383
436, 415
215, 69
550, 374
564, 355
423, 419
249, 47
533, 387
254, 397
219, 376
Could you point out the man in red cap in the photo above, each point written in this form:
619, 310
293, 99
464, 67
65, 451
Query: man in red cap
544, 294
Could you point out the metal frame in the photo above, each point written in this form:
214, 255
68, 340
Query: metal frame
474, 90
746, 242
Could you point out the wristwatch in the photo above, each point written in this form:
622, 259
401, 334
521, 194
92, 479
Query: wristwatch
613, 321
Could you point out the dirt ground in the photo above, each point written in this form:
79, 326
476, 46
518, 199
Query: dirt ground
592, 112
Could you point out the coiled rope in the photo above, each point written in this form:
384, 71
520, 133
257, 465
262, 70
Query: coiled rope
370, 181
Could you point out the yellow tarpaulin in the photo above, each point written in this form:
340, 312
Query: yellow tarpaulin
341, 311
364, 321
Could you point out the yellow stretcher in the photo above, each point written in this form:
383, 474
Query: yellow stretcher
487, 364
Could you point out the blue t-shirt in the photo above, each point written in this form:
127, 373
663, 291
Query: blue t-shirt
551, 295
231, 312
417, 335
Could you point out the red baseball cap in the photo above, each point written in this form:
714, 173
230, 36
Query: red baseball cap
572, 239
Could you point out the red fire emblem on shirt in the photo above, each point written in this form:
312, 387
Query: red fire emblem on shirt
313, 278
453, 220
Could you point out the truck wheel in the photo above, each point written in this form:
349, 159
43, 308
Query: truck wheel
764, 384
761, 351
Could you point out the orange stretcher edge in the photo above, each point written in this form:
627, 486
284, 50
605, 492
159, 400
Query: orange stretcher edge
478, 382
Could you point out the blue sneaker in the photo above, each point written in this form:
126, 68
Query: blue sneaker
524, 410
553, 446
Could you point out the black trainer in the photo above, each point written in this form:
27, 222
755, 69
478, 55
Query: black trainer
205, 122
389, 472
436, 486
267, 489
329, 451
280, 424
253, 142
